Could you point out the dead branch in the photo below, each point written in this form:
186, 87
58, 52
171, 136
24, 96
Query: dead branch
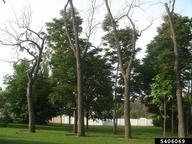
146, 28
66, 27
91, 27
116, 38
172, 7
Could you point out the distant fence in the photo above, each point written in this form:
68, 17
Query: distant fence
120, 121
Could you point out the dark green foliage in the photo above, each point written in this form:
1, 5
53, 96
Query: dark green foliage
96, 74
16, 92
14, 95
98, 86
44, 110
160, 59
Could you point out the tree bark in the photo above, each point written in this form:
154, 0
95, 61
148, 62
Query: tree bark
191, 116
172, 120
114, 119
31, 125
115, 102
164, 119
190, 99
181, 122
80, 110
70, 119
127, 109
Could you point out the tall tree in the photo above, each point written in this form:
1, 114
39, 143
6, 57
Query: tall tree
76, 49
125, 66
160, 59
181, 123
79, 53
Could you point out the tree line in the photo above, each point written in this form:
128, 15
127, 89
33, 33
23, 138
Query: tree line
67, 74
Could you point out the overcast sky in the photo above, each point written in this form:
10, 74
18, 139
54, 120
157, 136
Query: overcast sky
44, 10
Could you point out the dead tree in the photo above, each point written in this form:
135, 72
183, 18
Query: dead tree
181, 122
31, 75
80, 54
125, 72
21, 36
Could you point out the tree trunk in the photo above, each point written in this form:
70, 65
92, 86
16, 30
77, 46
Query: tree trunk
187, 121
114, 120
125, 73
127, 109
164, 119
69, 119
115, 103
190, 101
31, 126
181, 122
77, 52
75, 121
80, 111
191, 116
172, 120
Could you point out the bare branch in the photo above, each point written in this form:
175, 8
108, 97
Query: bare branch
91, 26
172, 7
130, 7
134, 38
146, 28
119, 18
66, 27
37, 34
116, 38
38, 60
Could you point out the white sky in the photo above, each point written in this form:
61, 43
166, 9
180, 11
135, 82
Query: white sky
44, 10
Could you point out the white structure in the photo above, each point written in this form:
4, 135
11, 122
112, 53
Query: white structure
120, 121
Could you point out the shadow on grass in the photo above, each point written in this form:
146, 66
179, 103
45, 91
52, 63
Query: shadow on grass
66, 128
14, 141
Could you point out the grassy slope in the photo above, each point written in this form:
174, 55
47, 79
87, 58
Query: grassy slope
17, 134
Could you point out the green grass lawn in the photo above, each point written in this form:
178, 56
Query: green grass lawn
17, 134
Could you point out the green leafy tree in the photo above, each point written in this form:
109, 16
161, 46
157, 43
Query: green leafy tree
15, 95
97, 87
162, 90
160, 57
16, 92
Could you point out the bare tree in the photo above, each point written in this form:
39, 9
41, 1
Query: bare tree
125, 70
80, 54
181, 123
23, 37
